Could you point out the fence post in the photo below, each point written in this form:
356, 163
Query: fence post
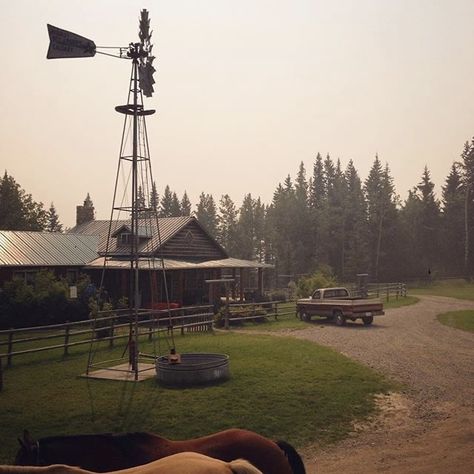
66, 338
10, 348
1, 375
111, 334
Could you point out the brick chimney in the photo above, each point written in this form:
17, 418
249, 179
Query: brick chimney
85, 213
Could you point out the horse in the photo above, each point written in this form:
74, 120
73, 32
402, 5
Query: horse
180, 463
112, 452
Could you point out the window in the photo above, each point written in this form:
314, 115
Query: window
329, 294
27, 276
71, 277
125, 238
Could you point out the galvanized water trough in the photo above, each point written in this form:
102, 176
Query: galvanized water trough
194, 369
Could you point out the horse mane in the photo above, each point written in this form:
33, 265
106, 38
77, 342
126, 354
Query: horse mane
293, 457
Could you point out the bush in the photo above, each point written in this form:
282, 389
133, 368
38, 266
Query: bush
323, 278
43, 302
277, 295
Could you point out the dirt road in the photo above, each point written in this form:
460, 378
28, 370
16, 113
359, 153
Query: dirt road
429, 428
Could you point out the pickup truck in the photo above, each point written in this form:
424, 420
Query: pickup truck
337, 304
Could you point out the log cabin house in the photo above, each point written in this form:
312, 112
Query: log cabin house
180, 245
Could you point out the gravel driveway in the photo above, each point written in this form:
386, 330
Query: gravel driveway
430, 426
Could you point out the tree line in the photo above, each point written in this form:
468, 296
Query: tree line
326, 217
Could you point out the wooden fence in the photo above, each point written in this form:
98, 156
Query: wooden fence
110, 326
241, 312
385, 291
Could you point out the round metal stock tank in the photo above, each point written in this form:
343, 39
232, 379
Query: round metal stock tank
194, 369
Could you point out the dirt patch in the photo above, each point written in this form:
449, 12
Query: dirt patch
430, 427
398, 442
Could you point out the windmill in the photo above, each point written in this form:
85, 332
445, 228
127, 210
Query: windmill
134, 169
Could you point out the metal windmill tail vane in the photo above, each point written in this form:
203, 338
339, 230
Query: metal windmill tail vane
65, 44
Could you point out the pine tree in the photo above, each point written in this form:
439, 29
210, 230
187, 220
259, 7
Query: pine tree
53, 220
452, 247
301, 236
175, 206
428, 222
206, 213
246, 229
227, 234
356, 251
318, 205
381, 219
185, 205
154, 199
166, 203
280, 223
467, 164
260, 230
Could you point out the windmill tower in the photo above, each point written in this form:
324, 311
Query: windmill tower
134, 215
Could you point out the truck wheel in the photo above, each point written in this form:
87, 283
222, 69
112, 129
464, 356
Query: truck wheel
304, 316
339, 318
367, 320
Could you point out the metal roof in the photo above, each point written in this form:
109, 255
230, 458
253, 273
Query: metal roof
167, 226
20, 248
169, 264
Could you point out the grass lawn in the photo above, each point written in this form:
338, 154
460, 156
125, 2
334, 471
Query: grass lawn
458, 319
454, 289
280, 387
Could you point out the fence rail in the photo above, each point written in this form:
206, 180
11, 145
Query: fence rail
109, 327
387, 290
241, 312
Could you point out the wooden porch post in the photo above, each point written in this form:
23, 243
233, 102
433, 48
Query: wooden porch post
182, 286
241, 284
260, 281
233, 284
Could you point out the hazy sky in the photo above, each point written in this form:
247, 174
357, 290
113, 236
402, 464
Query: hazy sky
246, 89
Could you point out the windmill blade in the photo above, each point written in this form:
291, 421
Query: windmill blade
146, 69
144, 31
145, 74
64, 44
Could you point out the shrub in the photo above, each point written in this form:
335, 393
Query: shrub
43, 302
323, 278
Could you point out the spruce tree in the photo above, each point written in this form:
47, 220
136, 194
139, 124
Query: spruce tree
154, 199
175, 210
206, 213
428, 222
53, 220
227, 225
381, 220
246, 229
185, 205
452, 223
166, 203
356, 251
